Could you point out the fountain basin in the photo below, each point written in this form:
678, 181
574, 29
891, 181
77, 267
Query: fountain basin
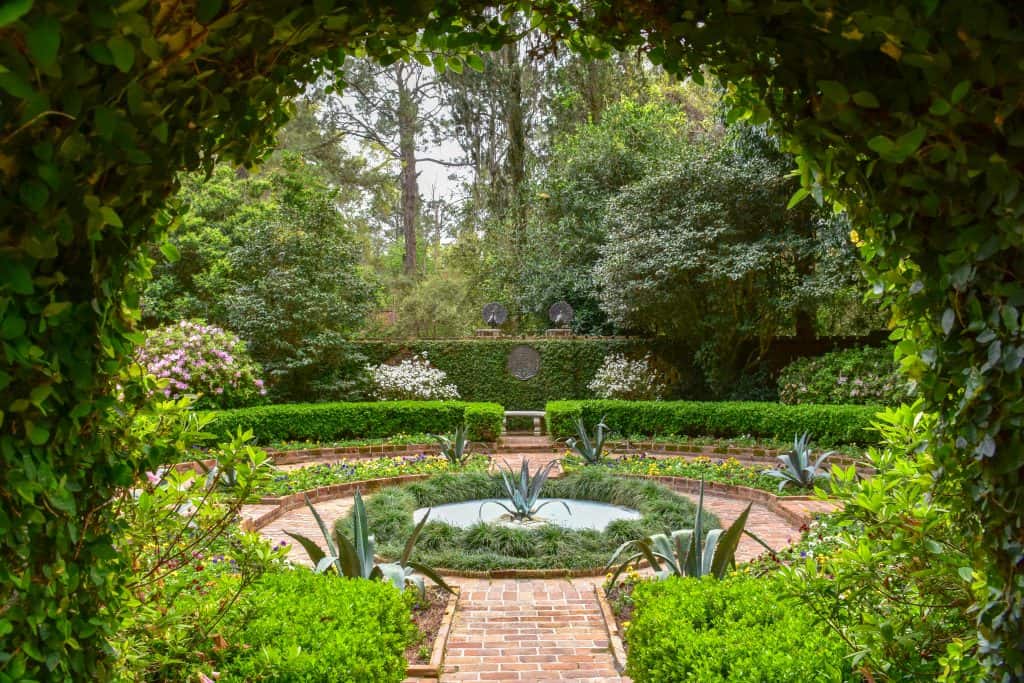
583, 514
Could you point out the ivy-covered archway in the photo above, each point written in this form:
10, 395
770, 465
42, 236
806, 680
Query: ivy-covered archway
907, 114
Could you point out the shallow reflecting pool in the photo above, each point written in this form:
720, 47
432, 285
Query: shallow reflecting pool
582, 514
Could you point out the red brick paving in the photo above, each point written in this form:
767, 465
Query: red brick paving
529, 630
536, 629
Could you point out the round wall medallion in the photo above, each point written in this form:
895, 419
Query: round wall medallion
523, 362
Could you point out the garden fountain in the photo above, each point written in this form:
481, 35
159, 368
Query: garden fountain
523, 505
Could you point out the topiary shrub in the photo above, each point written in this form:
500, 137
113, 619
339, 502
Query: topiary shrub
483, 421
829, 425
301, 626
735, 629
196, 358
866, 375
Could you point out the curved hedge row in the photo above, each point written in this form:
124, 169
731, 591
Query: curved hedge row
828, 425
331, 421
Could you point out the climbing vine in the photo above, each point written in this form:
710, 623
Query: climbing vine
907, 114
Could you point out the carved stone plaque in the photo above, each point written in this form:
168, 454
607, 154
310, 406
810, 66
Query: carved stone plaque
523, 362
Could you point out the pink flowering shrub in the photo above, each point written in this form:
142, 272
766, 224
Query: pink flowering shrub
196, 358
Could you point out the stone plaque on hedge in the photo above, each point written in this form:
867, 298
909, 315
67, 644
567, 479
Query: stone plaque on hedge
523, 362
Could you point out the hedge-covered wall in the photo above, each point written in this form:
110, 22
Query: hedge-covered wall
478, 367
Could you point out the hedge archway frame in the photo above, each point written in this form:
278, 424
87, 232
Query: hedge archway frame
907, 114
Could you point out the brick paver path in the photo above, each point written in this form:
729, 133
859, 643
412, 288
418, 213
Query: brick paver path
529, 630
535, 629
300, 521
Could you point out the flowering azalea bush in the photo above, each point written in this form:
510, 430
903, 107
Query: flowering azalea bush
631, 380
201, 359
411, 380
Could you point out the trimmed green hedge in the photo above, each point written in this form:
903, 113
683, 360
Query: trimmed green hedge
828, 425
478, 367
300, 626
736, 629
483, 421
329, 421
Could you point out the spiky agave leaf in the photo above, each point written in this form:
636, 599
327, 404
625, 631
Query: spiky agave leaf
431, 574
537, 509
314, 551
724, 556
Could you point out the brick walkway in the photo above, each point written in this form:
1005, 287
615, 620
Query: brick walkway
529, 630
535, 629
301, 521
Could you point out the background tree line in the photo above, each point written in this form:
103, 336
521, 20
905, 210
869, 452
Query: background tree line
606, 184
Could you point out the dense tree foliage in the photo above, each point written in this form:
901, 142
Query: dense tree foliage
270, 257
704, 251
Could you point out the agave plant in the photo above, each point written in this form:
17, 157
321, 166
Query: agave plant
591, 450
524, 490
686, 552
796, 465
356, 559
456, 447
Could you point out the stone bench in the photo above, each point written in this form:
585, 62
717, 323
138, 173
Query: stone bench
537, 415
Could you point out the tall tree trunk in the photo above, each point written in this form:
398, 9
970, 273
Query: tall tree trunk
410, 190
515, 161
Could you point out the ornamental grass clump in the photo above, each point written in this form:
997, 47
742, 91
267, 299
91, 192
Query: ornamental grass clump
194, 358
413, 379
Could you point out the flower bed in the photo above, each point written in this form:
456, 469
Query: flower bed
730, 471
316, 476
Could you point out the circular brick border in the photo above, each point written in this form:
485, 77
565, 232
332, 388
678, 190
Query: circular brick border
286, 504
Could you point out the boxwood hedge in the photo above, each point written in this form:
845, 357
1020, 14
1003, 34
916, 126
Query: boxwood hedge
300, 626
736, 629
331, 421
829, 425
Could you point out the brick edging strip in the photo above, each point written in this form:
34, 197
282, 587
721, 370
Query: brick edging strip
436, 665
752, 495
611, 627
286, 504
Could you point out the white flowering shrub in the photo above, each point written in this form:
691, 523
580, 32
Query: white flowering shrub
413, 379
622, 378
